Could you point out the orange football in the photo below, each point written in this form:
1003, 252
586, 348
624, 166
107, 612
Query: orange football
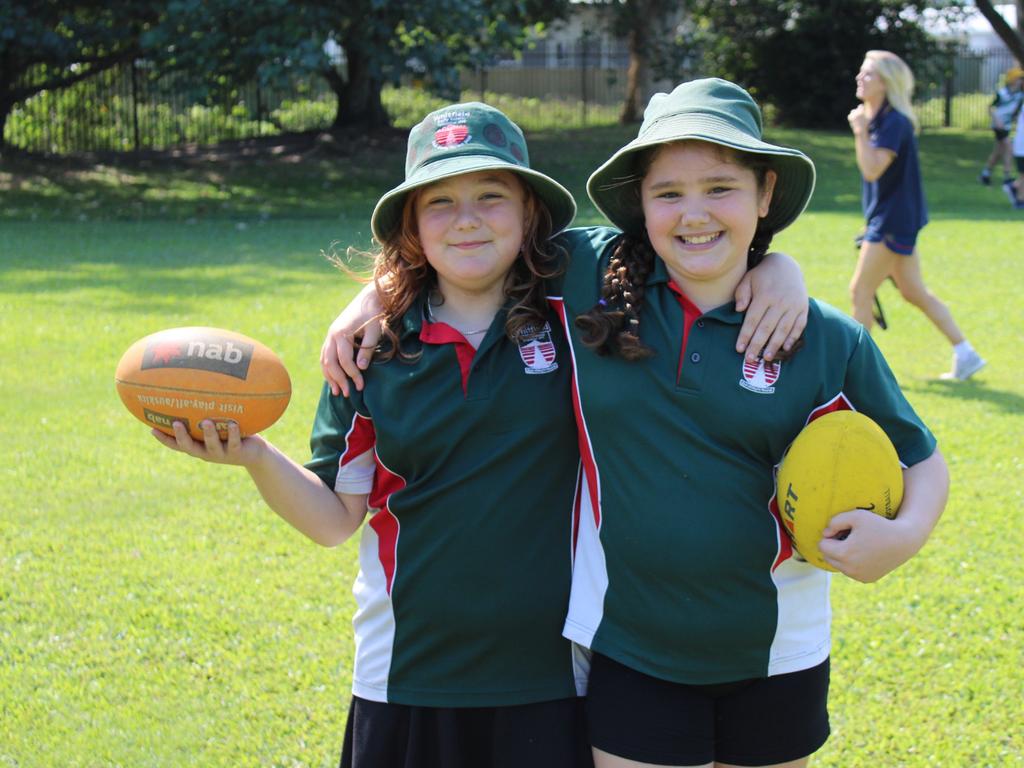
191, 374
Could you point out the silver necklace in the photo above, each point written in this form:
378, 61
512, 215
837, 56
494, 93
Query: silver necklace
431, 318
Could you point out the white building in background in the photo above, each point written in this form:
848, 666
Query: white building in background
975, 34
974, 31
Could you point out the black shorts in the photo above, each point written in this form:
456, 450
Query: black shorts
751, 722
1001, 133
1019, 160
550, 734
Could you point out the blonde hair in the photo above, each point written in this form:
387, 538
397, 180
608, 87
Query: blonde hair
899, 82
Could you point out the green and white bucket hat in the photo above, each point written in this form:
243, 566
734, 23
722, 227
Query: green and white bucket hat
712, 110
465, 138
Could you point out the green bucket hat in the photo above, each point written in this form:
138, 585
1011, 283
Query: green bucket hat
711, 110
464, 138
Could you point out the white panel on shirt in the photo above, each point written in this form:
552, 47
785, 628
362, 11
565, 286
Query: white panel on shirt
356, 477
802, 635
589, 578
374, 621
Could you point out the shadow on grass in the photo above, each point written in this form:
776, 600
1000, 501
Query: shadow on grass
323, 180
978, 391
130, 265
289, 179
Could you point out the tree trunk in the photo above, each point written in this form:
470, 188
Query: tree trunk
1014, 39
359, 102
636, 75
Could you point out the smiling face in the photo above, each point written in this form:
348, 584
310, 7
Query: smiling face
471, 228
701, 208
870, 87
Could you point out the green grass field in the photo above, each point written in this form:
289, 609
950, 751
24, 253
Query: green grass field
154, 613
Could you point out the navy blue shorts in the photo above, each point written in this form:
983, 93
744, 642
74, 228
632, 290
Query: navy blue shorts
549, 734
750, 722
1001, 133
900, 244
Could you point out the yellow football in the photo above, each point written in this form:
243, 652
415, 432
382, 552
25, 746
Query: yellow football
840, 461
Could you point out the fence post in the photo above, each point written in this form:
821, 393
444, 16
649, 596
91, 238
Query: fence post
583, 79
135, 110
947, 91
259, 107
947, 107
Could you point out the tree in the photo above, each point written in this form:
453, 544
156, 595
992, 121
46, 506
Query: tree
1014, 39
802, 57
382, 39
355, 45
217, 45
48, 45
647, 27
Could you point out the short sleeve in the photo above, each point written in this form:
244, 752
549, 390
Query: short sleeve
342, 444
891, 132
874, 391
580, 283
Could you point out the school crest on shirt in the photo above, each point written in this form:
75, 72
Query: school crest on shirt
537, 349
760, 376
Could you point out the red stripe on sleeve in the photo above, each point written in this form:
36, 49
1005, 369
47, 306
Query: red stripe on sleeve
361, 438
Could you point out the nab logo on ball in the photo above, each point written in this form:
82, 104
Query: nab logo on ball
205, 353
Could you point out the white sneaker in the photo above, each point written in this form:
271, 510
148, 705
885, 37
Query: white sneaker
964, 367
1011, 193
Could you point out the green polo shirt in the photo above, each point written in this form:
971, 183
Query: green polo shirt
682, 568
471, 463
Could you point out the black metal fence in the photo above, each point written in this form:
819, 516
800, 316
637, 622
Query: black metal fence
577, 85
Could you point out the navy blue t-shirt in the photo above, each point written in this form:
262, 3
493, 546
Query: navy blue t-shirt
894, 203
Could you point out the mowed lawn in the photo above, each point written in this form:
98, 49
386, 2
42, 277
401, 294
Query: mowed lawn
153, 612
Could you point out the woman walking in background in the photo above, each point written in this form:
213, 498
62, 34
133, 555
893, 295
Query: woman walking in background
884, 128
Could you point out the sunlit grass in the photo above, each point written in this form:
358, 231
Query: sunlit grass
154, 613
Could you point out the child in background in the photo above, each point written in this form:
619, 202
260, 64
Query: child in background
1016, 190
1004, 109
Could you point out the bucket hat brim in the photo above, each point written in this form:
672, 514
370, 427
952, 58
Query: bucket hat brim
614, 187
387, 214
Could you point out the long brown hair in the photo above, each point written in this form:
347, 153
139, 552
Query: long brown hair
612, 326
401, 273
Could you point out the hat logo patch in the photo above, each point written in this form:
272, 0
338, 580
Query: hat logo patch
760, 376
451, 136
537, 349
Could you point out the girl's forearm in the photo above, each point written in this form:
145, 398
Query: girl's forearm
298, 496
925, 490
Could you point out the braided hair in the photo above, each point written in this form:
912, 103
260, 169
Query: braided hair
612, 326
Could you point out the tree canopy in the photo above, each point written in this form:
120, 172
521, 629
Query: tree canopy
803, 56
356, 45
47, 45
